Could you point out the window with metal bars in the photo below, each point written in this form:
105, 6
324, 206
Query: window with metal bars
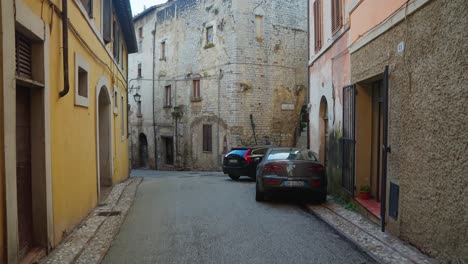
207, 138
337, 15
23, 56
318, 31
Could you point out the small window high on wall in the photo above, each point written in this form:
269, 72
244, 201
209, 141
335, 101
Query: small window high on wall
88, 5
167, 96
196, 90
259, 27
209, 35
337, 15
82, 70
318, 32
122, 116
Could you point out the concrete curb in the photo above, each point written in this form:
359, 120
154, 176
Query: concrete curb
382, 247
84, 242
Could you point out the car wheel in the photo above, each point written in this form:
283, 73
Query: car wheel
259, 196
234, 177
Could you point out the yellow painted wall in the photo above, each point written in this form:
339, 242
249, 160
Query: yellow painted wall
73, 128
363, 136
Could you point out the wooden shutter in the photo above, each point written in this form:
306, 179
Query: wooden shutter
318, 25
106, 20
116, 41
23, 56
337, 15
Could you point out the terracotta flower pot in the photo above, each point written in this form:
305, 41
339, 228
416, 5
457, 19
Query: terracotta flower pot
365, 195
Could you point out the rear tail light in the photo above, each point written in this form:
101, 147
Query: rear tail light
315, 168
316, 183
272, 182
272, 169
247, 157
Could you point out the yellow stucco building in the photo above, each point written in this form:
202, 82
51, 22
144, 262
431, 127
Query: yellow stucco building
63, 115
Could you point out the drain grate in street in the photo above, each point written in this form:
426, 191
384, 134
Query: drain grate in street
111, 213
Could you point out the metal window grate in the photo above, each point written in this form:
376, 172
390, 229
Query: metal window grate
349, 138
394, 200
23, 56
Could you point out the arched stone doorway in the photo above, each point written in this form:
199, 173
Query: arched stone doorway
323, 128
104, 137
143, 150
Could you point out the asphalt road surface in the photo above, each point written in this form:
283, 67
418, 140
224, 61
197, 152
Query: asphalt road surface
183, 217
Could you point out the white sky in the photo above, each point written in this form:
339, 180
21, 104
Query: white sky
138, 5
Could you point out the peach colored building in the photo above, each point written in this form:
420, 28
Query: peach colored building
386, 89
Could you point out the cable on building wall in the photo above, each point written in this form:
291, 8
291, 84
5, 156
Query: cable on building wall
57, 10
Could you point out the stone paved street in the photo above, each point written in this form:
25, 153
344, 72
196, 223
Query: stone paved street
182, 217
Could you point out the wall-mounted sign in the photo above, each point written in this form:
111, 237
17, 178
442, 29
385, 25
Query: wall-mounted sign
287, 107
401, 47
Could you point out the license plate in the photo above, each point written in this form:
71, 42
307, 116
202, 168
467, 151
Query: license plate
293, 184
233, 161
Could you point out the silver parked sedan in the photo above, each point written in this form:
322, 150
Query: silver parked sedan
293, 170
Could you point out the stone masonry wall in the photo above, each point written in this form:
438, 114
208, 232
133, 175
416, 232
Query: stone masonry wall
241, 75
428, 121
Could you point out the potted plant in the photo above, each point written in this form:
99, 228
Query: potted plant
364, 192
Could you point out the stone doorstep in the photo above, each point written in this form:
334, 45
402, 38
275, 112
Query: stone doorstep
72, 246
383, 247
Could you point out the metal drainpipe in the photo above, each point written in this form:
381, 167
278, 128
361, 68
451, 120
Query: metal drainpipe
152, 91
66, 83
218, 158
176, 143
308, 74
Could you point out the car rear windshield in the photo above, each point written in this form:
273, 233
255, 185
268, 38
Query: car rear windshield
292, 154
239, 152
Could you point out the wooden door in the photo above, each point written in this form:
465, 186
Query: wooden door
23, 169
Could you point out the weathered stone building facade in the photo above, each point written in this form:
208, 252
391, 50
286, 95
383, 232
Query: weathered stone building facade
226, 73
398, 121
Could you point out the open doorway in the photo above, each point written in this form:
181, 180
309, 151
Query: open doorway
369, 139
143, 150
105, 143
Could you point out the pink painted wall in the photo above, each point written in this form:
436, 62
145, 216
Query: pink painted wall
369, 13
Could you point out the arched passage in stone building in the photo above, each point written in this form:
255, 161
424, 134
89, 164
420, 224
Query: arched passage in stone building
323, 128
143, 150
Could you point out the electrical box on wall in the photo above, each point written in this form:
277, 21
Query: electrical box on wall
394, 200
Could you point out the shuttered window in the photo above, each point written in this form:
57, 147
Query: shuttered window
106, 20
116, 45
318, 29
23, 56
337, 15
207, 138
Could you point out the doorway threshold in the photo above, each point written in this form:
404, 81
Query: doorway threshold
370, 205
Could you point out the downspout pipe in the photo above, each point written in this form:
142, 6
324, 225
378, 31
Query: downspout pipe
308, 73
66, 81
152, 91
